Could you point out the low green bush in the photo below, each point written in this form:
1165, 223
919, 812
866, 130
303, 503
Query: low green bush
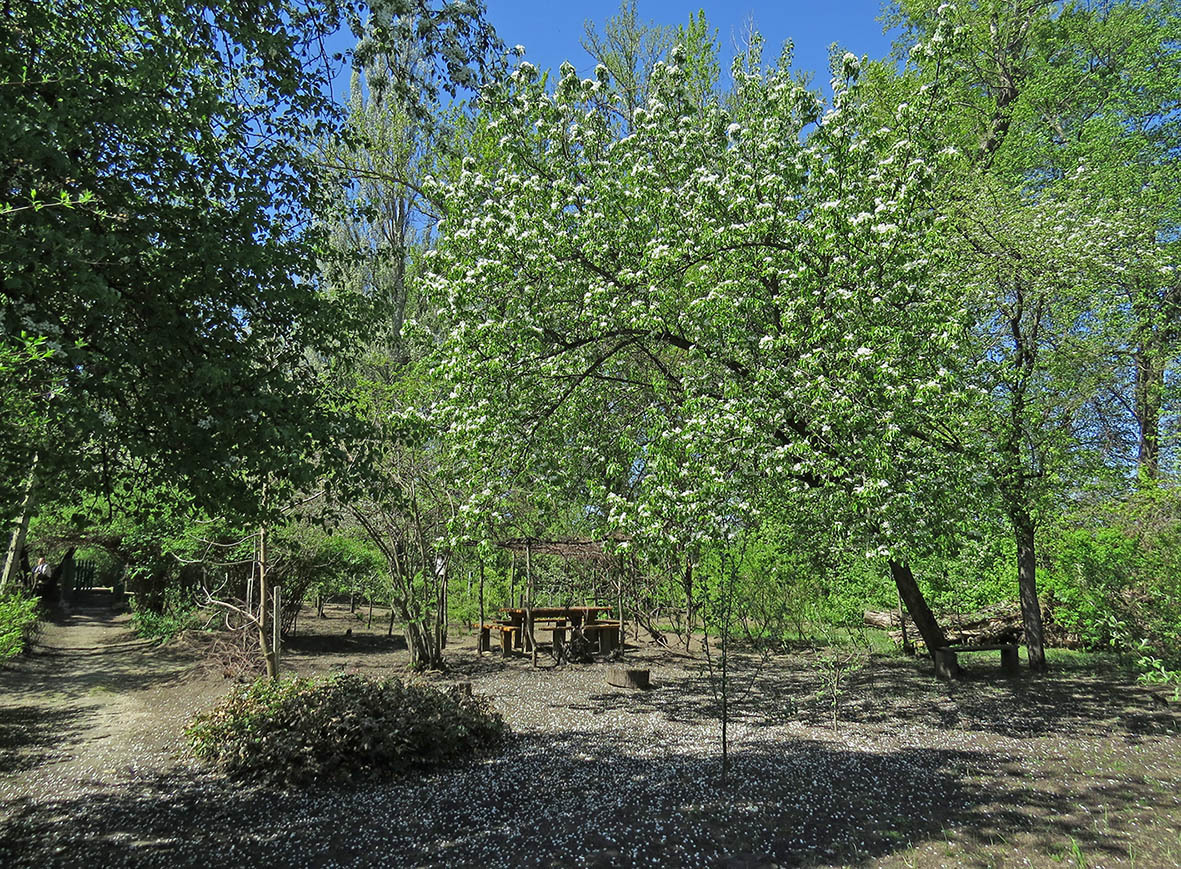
178, 614
18, 623
340, 728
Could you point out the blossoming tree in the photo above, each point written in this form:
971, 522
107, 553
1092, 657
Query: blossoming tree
727, 305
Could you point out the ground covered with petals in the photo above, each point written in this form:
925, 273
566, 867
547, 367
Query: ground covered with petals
1079, 767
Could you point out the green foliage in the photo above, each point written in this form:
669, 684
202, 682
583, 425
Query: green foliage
628, 50
837, 660
727, 280
18, 623
341, 728
1116, 577
333, 563
174, 279
24, 381
175, 291
178, 613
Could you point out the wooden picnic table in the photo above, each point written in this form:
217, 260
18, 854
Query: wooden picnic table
558, 620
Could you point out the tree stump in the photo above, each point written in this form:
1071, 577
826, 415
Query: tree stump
626, 677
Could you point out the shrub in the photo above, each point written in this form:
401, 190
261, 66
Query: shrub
178, 614
18, 623
1116, 578
340, 728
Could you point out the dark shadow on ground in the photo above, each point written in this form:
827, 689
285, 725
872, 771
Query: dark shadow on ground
31, 736
328, 644
887, 691
578, 799
73, 674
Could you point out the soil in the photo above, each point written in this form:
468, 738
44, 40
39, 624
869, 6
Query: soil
1078, 767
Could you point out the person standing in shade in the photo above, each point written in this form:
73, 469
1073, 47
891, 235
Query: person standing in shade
42, 578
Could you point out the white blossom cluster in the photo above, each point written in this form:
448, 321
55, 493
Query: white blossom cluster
709, 304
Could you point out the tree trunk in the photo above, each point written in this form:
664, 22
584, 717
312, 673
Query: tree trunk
424, 654
1149, 388
17, 541
1031, 611
916, 605
728, 578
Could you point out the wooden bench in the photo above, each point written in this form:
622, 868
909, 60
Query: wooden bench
948, 667
509, 636
608, 634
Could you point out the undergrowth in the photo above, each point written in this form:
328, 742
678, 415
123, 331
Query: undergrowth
18, 623
178, 614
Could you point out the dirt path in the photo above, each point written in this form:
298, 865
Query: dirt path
91, 704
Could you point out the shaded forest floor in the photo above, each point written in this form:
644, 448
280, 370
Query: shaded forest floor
1079, 767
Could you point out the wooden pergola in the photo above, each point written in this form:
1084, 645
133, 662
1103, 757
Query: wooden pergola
585, 549
572, 548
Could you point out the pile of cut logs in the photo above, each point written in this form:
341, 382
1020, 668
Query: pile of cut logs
994, 625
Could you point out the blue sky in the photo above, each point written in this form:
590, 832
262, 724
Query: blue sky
550, 31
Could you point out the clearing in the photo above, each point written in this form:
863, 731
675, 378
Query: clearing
1079, 767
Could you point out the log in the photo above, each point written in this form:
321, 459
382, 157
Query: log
995, 625
886, 621
626, 677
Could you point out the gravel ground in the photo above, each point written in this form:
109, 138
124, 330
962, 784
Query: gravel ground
1079, 767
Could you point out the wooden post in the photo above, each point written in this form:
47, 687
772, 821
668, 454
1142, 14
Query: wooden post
277, 624
268, 654
622, 626
512, 581
623, 677
906, 644
446, 579
483, 629
250, 592
1010, 663
529, 602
